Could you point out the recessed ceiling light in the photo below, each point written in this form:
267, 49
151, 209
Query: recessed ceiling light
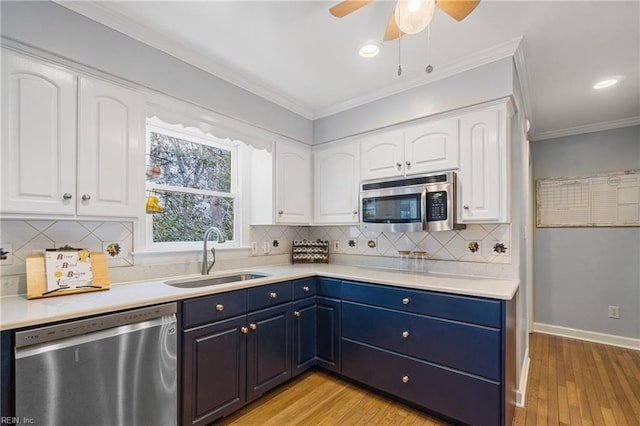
605, 83
369, 50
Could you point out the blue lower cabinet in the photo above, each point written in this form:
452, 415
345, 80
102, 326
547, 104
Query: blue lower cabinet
213, 371
463, 397
328, 321
268, 349
304, 335
467, 347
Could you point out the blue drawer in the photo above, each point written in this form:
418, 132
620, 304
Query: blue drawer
208, 309
269, 295
466, 347
329, 287
305, 287
465, 398
461, 308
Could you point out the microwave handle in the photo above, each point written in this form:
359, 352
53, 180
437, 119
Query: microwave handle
423, 209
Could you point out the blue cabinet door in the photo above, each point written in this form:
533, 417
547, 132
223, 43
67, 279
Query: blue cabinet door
213, 371
304, 335
268, 349
328, 333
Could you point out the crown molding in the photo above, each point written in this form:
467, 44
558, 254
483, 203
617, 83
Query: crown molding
522, 72
476, 59
587, 128
196, 57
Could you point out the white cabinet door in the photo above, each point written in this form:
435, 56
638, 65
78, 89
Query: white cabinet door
383, 155
110, 160
38, 137
293, 183
336, 182
483, 188
431, 147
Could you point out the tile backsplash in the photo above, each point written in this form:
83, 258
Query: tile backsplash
476, 243
25, 237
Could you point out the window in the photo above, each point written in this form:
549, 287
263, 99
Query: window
191, 186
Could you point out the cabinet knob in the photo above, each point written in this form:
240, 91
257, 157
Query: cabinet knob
465, 207
405, 379
355, 212
399, 166
280, 212
405, 301
86, 197
296, 314
408, 163
67, 196
305, 289
405, 334
273, 295
253, 326
244, 330
219, 307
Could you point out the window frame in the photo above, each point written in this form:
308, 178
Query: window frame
193, 135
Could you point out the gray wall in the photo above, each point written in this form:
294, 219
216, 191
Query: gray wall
481, 84
56, 29
579, 272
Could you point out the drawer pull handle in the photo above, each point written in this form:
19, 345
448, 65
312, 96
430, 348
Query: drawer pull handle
405, 379
405, 334
305, 289
296, 313
244, 330
273, 295
253, 326
219, 307
405, 301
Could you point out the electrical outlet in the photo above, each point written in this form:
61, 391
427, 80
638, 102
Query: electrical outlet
254, 247
336, 245
266, 247
614, 312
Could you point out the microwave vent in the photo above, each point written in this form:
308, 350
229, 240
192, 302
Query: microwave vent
419, 180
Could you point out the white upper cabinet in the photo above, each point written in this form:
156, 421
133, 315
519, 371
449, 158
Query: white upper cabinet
483, 179
109, 148
38, 147
426, 147
336, 183
293, 183
431, 147
382, 155
68, 153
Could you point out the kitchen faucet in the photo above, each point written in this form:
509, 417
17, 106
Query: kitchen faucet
206, 267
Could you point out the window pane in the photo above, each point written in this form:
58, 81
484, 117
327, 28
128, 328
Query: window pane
191, 165
187, 216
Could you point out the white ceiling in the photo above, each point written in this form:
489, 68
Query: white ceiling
299, 56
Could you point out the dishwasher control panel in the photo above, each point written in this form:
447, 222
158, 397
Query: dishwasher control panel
45, 334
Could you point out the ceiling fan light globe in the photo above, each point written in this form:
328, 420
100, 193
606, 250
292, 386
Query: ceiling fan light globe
413, 16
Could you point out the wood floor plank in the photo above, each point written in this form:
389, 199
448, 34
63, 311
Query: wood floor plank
570, 382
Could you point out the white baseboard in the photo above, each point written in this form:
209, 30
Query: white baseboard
590, 336
521, 392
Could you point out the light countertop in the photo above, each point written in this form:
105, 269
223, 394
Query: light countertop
17, 311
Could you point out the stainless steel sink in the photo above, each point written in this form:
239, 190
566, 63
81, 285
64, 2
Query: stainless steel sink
219, 279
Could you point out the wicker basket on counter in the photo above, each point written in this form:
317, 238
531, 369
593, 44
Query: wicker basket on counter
304, 251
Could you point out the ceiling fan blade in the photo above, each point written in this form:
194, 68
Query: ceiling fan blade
392, 32
347, 6
457, 9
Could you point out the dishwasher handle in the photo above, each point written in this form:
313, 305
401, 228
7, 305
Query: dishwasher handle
36, 336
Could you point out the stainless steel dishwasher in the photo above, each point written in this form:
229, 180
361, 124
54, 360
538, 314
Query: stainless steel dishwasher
116, 369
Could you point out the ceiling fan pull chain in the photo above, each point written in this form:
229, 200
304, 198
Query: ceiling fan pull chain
429, 68
399, 57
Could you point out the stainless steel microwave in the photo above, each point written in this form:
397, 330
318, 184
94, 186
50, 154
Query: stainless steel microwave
410, 204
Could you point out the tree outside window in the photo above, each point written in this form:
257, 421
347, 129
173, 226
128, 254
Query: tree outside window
193, 178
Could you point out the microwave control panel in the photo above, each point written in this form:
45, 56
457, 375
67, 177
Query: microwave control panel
436, 206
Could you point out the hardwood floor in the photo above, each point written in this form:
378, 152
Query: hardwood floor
571, 382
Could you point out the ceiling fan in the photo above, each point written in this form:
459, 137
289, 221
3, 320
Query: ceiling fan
410, 16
